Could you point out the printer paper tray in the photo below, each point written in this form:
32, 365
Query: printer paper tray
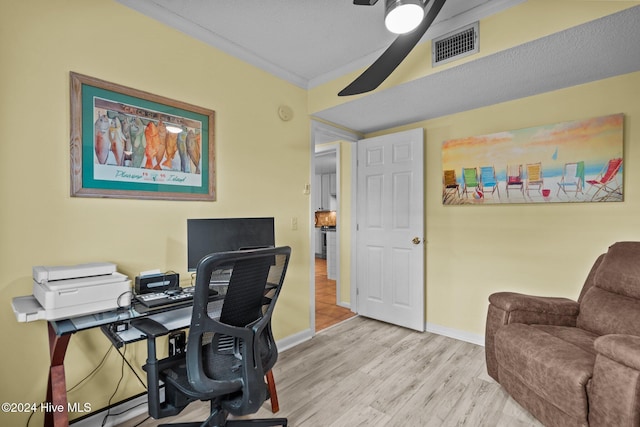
27, 309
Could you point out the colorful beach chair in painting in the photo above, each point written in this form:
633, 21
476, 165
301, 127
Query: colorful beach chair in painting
488, 180
534, 177
470, 180
450, 186
572, 180
514, 178
606, 182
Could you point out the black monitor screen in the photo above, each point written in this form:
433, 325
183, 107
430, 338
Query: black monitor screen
206, 236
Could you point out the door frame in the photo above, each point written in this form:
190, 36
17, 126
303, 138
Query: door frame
323, 133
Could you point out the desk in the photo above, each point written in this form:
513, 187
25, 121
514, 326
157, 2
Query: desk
60, 331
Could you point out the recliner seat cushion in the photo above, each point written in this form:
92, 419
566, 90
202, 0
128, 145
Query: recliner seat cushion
555, 362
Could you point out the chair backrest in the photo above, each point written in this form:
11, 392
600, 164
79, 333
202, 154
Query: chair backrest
514, 174
580, 171
450, 178
570, 173
534, 172
488, 176
610, 304
612, 169
470, 176
239, 348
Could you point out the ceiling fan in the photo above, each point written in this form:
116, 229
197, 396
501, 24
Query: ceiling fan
401, 46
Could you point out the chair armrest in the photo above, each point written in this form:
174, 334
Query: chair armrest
511, 307
613, 389
511, 302
622, 349
149, 327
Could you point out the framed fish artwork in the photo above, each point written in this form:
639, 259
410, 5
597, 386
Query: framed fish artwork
127, 143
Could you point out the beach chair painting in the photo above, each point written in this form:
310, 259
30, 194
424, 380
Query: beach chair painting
488, 181
450, 186
514, 178
572, 180
569, 162
534, 177
606, 183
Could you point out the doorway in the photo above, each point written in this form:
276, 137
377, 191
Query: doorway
330, 278
326, 204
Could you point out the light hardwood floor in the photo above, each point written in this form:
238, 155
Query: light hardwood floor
327, 312
367, 373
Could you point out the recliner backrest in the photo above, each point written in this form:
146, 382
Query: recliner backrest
611, 305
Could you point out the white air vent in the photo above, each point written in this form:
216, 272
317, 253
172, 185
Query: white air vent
455, 45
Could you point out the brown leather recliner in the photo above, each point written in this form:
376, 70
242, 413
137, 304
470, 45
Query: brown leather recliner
573, 363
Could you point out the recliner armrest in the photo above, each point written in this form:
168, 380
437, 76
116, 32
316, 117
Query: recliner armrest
510, 307
623, 349
511, 301
613, 389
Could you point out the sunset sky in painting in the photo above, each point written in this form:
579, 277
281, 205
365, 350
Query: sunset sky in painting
593, 141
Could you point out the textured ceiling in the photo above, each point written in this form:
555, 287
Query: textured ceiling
310, 42
307, 42
603, 48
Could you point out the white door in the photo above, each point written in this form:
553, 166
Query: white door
390, 249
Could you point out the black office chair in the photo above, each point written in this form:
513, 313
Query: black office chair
226, 358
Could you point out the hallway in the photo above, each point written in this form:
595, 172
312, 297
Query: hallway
327, 312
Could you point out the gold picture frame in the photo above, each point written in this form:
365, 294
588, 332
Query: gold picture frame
127, 143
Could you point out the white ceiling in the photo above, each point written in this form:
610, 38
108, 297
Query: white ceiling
310, 42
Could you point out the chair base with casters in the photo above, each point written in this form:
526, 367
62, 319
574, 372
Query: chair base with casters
219, 419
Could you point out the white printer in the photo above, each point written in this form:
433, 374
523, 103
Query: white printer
69, 291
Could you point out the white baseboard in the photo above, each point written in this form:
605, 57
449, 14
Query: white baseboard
294, 340
455, 333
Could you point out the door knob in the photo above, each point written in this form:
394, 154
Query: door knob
416, 241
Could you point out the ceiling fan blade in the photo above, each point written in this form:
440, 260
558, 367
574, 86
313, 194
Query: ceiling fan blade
365, 2
392, 57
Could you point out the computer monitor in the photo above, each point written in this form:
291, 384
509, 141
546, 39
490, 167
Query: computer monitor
209, 235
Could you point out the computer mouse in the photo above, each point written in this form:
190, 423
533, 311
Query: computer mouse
172, 292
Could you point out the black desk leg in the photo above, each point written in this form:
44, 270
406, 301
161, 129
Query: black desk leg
56, 386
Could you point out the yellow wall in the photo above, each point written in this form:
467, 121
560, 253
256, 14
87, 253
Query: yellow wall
345, 221
473, 251
262, 167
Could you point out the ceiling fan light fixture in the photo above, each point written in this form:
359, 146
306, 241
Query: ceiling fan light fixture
403, 16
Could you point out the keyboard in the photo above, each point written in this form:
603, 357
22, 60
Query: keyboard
158, 299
